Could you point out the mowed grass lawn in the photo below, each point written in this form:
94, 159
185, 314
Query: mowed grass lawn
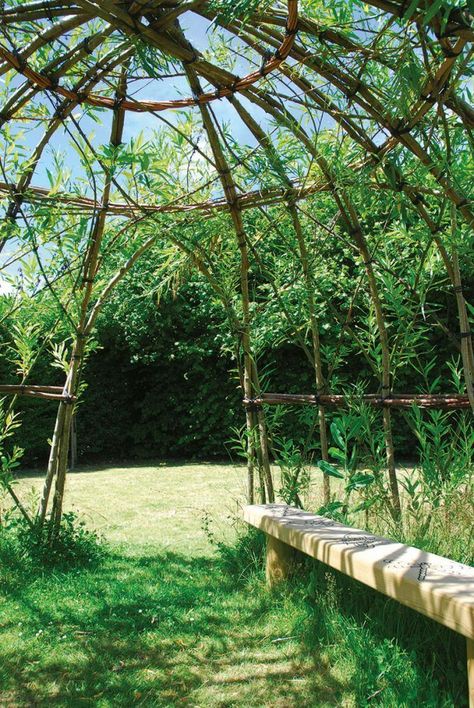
155, 507
167, 619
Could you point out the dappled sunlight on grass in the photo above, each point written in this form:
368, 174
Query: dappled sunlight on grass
170, 618
151, 626
158, 630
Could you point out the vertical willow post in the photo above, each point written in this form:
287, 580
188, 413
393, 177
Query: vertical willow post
250, 368
318, 365
266, 144
58, 460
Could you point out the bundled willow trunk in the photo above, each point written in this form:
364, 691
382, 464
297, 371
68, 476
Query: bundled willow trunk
254, 418
58, 459
318, 366
266, 144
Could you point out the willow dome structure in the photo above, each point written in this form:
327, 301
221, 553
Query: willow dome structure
266, 105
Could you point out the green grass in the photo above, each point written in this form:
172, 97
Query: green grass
167, 619
160, 506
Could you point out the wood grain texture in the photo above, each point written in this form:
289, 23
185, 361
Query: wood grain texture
279, 561
430, 584
470, 671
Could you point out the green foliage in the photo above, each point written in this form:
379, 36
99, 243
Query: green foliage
150, 59
445, 472
74, 545
9, 459
227, 10
169, 389
294, 473
9, 462
241, 558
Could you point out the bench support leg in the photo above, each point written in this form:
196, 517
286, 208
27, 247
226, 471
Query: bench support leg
470, 670
280, 560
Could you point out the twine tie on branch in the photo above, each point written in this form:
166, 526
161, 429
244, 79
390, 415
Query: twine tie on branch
238, 84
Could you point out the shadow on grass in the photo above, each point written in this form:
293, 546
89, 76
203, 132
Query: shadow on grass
385, 641
150, 631
173, 630
106, 465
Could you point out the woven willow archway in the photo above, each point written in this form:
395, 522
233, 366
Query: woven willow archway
385, 79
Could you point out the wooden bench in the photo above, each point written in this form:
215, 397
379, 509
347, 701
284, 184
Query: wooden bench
432, 585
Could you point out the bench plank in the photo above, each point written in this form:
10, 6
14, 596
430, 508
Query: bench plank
430, 584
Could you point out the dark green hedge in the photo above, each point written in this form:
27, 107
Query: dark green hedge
161, 384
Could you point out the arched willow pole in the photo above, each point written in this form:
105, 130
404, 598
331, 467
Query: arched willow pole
430, 94
266, 144
256, 417
57, 466
329, 70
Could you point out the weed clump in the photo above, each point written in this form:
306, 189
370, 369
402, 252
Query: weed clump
74, 545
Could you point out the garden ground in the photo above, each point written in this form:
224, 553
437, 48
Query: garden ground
172, 618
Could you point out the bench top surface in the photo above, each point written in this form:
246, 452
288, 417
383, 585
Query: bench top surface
435, 586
